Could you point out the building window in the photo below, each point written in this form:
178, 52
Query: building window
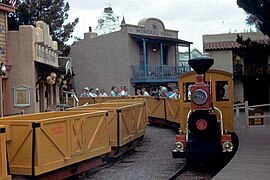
222, 91
186, 91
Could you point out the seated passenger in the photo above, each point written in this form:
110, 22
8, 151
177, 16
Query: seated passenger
85, 92
144, 92
138, 92
102, 93
124, 91
175, 94
113, 91
91, 93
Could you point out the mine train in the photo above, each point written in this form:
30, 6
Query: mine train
61, 144
206, 122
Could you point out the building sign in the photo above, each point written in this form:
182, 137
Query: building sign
153, 32
152, 27
21, 96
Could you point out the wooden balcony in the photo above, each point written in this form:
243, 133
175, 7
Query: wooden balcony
156, 73
251, 69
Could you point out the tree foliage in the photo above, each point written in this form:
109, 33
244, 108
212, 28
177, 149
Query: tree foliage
52, 12
259, 13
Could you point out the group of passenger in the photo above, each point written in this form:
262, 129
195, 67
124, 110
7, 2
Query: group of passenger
167, 92
142, 92
116, 92
86, 92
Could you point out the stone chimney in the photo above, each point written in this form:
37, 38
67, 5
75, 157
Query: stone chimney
90, 34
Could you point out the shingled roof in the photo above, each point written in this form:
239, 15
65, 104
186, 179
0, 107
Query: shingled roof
223, 45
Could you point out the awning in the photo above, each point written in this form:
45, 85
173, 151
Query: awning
161, 39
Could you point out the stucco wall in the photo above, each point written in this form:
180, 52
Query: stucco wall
22, 71
222, 60
102, 61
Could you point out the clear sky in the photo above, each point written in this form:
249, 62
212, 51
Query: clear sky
192, 18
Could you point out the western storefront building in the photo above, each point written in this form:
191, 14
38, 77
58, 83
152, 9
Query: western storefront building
138, 55
249, 62
32, 79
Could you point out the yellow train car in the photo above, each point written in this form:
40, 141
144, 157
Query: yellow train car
127, 120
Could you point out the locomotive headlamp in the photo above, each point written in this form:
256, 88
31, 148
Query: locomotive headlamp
199, 97
227, 146
179, 147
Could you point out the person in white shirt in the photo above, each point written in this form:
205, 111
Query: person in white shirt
124, 91
145, 93
175, 94
85, 92
91, 93
102, 93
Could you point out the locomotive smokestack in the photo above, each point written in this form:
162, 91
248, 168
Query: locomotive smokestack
201, 64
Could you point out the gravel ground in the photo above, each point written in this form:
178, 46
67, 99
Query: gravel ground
153, 160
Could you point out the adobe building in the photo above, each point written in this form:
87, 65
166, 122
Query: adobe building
137, 55
31, 82
250, 64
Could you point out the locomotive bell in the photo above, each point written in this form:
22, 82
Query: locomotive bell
200, 91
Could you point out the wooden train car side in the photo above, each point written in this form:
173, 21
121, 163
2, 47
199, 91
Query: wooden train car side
127, 120
40, 143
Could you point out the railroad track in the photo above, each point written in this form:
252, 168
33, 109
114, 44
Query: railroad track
180, 171
196, 171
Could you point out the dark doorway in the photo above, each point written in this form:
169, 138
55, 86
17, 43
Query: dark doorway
256, 90
165, 55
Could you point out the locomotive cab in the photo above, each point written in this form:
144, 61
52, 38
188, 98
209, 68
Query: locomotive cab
204, 137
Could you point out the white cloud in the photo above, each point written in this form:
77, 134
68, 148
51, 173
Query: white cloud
192, 18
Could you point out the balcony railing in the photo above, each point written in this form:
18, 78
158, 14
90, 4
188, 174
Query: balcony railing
157, 73
252, 69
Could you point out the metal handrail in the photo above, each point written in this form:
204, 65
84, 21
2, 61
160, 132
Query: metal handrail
75, 98
189, 112
221, 120
245, 106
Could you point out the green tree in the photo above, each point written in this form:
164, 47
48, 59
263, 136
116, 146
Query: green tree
258, 13
52, 12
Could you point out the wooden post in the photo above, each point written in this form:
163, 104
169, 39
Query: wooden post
3, 154
237, 115
1, 96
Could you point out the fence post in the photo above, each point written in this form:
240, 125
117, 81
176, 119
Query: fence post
66, 98
237, 114
246, 113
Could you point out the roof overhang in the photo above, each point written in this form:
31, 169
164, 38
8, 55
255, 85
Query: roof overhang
7, 8
179, 42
